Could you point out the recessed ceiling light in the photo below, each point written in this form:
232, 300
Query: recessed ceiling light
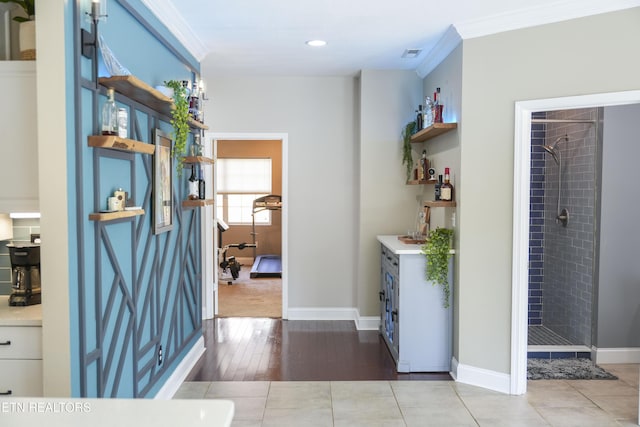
316, 43
411, 53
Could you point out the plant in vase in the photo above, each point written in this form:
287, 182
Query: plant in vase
437, 250
179, 121
27, 27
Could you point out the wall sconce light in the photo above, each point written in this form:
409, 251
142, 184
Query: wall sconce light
6, 227
90, 38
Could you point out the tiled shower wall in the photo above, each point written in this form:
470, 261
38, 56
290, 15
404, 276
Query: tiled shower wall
536, 221
22, 230
567, 284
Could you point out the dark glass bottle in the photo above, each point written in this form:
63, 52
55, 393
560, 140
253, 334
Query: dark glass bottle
201, 189
438, 186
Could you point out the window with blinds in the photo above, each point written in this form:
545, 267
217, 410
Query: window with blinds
239, 183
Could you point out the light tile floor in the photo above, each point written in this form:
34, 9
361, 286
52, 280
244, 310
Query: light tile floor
597, 403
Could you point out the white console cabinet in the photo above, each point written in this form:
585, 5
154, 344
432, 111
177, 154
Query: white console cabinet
414, 323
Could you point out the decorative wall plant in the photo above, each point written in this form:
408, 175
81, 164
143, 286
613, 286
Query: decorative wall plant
407, 158
437, 251
179, 121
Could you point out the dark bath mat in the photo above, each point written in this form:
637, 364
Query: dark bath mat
566, 369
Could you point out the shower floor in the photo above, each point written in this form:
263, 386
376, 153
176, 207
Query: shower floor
541, 335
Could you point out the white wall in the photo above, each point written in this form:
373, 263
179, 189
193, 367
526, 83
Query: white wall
619, 278
583, 56
319, 116
52, 82
387, 205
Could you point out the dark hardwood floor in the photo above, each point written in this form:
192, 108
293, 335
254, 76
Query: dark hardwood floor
263, 349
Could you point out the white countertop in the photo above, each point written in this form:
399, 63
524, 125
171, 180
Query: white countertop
400, 248
30, 315
58, 412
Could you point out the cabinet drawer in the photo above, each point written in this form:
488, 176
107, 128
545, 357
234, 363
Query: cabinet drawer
21, 378
390, 261
20, 342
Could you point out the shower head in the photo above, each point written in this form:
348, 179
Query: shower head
551, 149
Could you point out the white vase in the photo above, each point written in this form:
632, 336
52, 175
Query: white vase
28, 40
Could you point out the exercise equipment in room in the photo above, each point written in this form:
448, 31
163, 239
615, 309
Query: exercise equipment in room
265, 265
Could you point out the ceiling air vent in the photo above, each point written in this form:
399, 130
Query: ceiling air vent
411, 53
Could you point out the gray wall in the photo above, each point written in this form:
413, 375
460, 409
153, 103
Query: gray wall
547, 61
444, 151
619, 279
319, 115
386, 205
569, 250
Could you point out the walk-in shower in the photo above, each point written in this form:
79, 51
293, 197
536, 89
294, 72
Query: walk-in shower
561, 252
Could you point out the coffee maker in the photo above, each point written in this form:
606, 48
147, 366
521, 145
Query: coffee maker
25, 274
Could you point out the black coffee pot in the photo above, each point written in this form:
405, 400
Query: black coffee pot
25, 274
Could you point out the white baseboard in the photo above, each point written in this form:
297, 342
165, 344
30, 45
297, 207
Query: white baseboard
617, 355
335, 313
367, 323
182, 370
479, 377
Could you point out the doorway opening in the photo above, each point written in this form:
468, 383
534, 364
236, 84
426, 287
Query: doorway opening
250, 233
524, 119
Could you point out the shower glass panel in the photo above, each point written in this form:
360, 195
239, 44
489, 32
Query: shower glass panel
561, 250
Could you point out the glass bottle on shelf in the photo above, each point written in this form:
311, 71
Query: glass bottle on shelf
446, 191
438, 188
428, 112
110, 114
193, 185
201, 189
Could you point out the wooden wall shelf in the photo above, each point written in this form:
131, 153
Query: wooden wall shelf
141, 92
432, 131
421, 181
439, 204
197, 160
196, 203
121, 144
110, 216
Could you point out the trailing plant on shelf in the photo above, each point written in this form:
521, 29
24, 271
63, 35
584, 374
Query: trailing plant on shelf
407, 158
437, 251
179, 121
29, 7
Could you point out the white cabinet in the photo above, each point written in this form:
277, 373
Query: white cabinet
18, 143
20, 361
414, 323
20, 350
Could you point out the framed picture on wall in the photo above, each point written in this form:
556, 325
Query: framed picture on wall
162, 183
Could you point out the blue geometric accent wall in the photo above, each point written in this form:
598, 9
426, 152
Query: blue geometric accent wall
138, 302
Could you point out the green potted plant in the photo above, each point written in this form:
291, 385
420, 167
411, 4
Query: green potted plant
179, 121
437, 250
407, 158
27, 27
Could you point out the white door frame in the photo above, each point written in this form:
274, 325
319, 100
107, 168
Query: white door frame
211, 303
521, 187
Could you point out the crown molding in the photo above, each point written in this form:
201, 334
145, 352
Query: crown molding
167, 13
447, 43
539, 15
